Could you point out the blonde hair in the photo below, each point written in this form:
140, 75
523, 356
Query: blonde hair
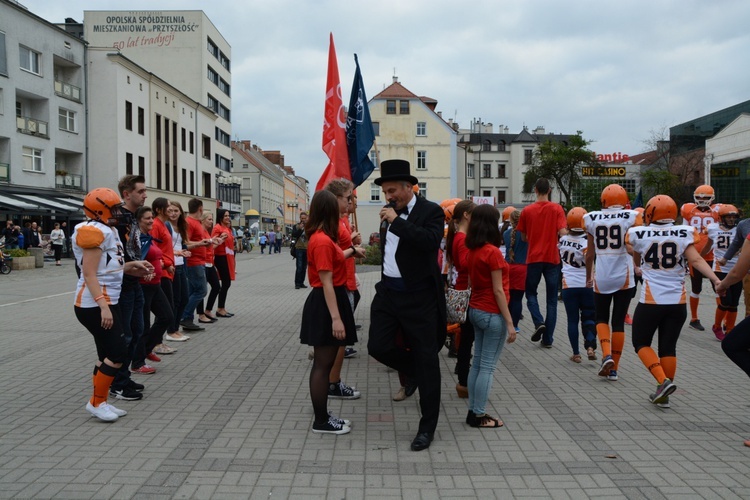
514, 218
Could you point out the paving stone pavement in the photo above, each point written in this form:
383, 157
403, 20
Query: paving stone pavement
228, 416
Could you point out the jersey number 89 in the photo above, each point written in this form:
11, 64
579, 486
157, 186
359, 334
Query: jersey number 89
608, 237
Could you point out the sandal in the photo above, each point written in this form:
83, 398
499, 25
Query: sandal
575, 358
591, 353
483, 421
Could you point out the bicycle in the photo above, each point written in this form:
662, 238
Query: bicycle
5, 266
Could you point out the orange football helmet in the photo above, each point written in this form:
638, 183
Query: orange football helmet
575, 219
614, 195
103, 205
448, 211
506, 213
660, 208
729, 215
703, 195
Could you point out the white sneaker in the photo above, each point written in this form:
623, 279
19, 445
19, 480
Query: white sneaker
113, 409
102, 412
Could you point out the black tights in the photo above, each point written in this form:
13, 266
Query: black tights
321, 369
736, 345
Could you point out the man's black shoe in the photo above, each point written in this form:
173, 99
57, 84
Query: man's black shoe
538, 333
190, 326
126, 394
411, 387
297, 287
422, 441
132, 384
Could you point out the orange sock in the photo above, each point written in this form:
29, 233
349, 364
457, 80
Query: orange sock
669, 365
719, 317
618, 342
602, 332
731, 319
103, 378
651, 361
694, 308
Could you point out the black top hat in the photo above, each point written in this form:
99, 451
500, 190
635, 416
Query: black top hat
395, 170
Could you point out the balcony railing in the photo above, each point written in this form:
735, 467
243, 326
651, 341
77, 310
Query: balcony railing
67, 91
69, 181
31, 126
4, 172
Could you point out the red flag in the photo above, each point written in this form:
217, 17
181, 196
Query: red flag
334, 126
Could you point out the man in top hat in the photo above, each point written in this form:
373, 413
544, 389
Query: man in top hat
410, 297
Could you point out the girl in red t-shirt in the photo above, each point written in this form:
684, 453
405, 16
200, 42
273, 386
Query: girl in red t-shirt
327, 318
488, 309
223, 262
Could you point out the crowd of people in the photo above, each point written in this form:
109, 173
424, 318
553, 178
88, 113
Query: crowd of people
137, 262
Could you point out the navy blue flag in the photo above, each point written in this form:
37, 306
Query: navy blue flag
359, 132
638, 199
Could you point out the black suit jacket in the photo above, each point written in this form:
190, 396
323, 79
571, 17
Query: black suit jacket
420, 235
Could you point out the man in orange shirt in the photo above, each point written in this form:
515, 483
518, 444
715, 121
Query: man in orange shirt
198, 240
541, 224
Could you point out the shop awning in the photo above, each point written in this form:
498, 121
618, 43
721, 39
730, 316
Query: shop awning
40, 204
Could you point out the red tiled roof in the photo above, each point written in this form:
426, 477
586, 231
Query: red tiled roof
394, 91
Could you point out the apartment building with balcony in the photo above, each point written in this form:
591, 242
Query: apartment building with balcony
42, 117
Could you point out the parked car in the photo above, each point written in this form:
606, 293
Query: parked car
374, 239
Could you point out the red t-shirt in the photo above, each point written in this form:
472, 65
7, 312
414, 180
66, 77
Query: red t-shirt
163, 239
196, 232
153, 256
324, 255
228, 243
345, 243
540, 222
482, 261
460, 256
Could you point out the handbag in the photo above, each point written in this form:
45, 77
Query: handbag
457, 303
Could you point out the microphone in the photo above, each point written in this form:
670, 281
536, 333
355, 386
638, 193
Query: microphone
384, 223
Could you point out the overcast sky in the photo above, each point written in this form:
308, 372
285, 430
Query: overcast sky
615, 70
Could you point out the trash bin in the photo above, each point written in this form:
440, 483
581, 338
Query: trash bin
38, 254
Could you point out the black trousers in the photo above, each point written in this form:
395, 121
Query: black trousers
221, 264
416, 315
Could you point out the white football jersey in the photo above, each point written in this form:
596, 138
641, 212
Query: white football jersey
92, 234
663, 266
721, 239
614, 266
573, 257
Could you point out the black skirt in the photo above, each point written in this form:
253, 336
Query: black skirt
316, 329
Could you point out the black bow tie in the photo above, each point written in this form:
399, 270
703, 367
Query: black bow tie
404, 211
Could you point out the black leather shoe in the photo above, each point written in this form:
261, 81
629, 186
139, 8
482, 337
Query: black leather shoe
422, 441
411, 387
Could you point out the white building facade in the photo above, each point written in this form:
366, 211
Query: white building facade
42, 117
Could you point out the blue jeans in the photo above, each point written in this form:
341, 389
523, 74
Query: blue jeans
197, 288
299, 274
551, 273
131, 310
580, 302
490, 333
179, 296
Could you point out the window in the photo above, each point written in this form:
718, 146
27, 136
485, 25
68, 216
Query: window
422, 189
213, 104
30, 60
141, 121
224, 112
183, 139
224, 86
374, 192
469, 193
205, 148
486, 193
527, 156
129, 163
501, 146
2, 101
487, 146
222, 136
141, 165
3, 60
212, 76
486, 170
500, 196
421, 129
374, 157
32, 159
421, 160
470, 170
128, 115
376, 128
192, 139
212, 48
501, 171
390, 107
224, 60
404, 107
67, 120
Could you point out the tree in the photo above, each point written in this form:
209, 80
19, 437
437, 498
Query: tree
561, 162
676, 175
